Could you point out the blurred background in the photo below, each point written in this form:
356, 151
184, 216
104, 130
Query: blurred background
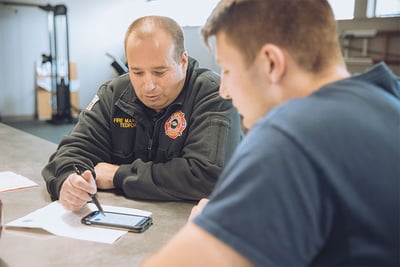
369, 31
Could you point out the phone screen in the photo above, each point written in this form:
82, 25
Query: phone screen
121, 220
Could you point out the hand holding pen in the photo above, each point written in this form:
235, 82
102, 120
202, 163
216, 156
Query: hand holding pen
76, 190
93, 196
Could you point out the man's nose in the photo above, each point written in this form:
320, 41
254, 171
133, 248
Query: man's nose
223, 90
149, 82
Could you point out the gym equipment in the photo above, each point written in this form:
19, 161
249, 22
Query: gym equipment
59, 59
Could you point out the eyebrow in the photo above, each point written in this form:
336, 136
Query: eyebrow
153, 68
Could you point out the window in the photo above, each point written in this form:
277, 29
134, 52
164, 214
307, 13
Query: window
385, 8
343, 9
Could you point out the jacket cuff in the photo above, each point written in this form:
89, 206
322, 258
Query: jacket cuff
119, 177
56, 184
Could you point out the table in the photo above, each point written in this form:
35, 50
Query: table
26, 155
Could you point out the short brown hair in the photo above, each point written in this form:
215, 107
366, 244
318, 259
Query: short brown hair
147, 25
305, 28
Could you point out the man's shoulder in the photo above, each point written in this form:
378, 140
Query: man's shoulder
119, 83
208, 75
202, 82
304, 116
205, 82
116, 86
202, 76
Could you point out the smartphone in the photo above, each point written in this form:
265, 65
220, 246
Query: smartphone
133, 223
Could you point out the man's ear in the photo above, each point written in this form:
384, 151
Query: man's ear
184, 61
275, 61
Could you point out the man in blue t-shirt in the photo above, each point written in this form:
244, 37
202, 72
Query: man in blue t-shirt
316, 181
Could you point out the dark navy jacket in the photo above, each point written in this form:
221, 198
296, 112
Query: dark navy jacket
175, 155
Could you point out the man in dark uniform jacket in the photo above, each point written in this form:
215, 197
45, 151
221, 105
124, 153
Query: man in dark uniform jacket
161, 132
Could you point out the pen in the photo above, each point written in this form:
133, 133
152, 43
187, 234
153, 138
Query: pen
94, 197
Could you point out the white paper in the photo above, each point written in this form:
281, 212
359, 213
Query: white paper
12, 181
59, 221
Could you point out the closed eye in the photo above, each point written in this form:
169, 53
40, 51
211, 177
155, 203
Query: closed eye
159, 73
155, 72
138, 73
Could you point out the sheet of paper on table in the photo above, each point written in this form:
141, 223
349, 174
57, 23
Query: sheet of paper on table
11, 181
59, 221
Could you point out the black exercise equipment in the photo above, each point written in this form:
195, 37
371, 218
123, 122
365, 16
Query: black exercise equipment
59, 59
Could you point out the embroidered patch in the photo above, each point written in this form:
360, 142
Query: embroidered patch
175, 125
125, 122
94, 101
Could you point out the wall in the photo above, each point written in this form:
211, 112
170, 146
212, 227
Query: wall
21, 42
95, 28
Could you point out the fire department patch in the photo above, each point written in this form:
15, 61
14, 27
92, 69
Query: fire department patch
175, 125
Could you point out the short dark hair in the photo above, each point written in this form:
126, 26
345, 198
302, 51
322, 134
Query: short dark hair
154, 23
305, 28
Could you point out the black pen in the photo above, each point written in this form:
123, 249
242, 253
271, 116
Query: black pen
94, 198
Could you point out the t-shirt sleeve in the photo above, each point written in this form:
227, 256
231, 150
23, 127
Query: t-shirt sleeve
268, 204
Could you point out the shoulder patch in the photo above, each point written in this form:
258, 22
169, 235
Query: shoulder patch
94, 101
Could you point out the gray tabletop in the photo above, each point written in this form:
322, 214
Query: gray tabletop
26, 155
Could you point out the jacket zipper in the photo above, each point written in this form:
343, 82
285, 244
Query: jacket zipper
156, 132
154, 135
149, 147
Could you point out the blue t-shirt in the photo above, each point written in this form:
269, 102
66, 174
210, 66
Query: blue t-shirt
316, 182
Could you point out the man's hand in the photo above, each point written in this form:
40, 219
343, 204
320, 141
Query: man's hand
196, 210
76, 189
105, 175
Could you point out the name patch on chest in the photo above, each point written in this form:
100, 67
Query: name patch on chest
175, 125
125, 122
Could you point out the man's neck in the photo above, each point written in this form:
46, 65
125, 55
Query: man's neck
303, 84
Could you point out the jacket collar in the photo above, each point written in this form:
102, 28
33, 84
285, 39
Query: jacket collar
382, 76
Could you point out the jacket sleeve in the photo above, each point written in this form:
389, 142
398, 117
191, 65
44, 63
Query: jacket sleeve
88, 143
214, 131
